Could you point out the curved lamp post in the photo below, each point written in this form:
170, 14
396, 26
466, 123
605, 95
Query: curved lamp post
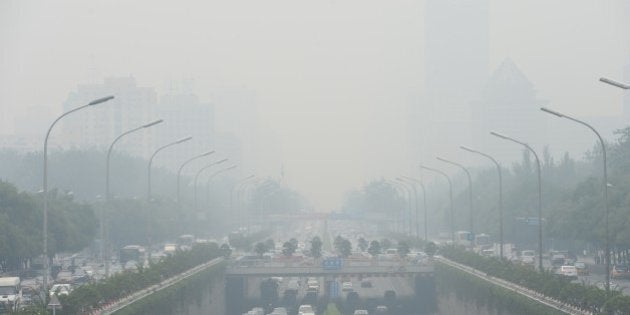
107, 187
540, 229
470, 192
605, 184
412, 184
149, 229
450, 189
407, 191
151, 162
45, 188
235, 187
179, 171
424, 198
500, 193
197, 178
212, 176
615, 83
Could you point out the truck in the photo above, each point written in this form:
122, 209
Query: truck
10, 294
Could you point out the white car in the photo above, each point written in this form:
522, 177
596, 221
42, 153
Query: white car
346, 286
306, 309
61, 289
568, 271
361, 312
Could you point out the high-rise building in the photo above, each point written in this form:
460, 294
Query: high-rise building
508, 105
97, 127
184, 115
456, 67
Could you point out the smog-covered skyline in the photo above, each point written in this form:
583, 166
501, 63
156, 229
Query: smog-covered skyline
333, 80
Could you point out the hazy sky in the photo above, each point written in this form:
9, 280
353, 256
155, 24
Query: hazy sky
333, 77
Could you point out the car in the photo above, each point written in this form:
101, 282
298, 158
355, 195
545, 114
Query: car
557, 260
568, 271
361, 312
306, 309
366, 283
581, 267
346, 286
279, 311
61, 289
528, 257
619, 272
381, 309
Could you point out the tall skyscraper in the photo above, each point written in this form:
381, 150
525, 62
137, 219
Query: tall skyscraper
97, 127
456, 68
508, 105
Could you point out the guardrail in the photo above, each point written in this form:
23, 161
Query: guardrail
115, 306
534, 295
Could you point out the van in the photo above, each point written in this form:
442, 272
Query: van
10, 293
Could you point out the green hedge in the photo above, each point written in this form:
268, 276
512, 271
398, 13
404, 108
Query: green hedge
484, 293
91, 296
583, 296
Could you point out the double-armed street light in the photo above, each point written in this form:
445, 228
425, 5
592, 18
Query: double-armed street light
604, 184
450, 190
540, 222
424, 199
470, 191
104, 243
45, 188
500, 206
196, 182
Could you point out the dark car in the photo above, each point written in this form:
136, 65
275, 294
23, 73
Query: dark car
620, 272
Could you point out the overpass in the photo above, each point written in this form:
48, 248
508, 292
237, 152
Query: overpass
360, 268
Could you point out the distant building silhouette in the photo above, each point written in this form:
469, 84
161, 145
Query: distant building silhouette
508, 105
456, 68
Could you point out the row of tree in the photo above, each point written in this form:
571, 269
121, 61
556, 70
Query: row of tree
573, 208
71, 225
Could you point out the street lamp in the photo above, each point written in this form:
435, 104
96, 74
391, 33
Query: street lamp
213, 175
179, 171
400, 223
45, 188
500, 193
470, 192
605, 184
234, 188
540, 229
615, 83
197, 178
107, 190
424, 198
415, 193
151, 162
149, 227
450, 189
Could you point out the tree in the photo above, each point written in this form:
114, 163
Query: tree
270, 244
363, 244
386, 243
260, 249
226, 251
345, 248
375, 248
316, 247
288, 249
403, 249
430, 249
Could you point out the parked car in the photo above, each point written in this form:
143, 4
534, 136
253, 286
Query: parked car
620, 272
581, 267
346, 286
568, 271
